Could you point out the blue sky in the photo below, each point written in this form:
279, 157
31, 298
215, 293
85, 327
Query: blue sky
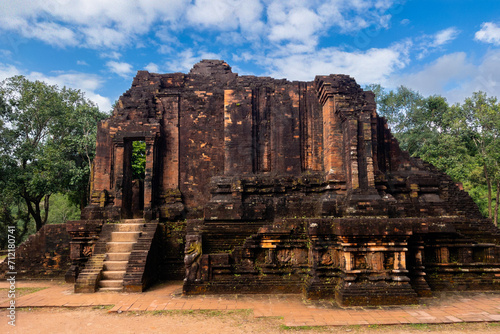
445, 47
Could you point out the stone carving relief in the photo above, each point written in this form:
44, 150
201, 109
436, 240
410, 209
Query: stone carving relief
88, 250
192, 258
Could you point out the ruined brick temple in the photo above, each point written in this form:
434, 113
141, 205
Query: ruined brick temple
262, 185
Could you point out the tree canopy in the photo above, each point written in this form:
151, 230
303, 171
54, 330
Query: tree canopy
47, 142
462, 140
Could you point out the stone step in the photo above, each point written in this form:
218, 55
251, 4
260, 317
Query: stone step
120, 289
129, 227
115, 265
114, 283
125, 236
119, 247
113, 275
117, 256
133, 221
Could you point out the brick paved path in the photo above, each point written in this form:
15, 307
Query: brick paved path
470, 307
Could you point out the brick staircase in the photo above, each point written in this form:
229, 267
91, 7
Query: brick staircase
120, 258
118, 251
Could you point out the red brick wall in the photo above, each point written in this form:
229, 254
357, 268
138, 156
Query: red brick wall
44, 254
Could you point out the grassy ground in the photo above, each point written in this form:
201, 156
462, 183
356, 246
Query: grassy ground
4, 292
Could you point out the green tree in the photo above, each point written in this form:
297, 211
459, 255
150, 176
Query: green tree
47, 143
138, 159
461, 140
480, 122
396, 105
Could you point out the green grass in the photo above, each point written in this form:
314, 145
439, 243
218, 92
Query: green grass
102, 307
208, 313
301, 328
412, 328
27, 309
19, 291
494, 324
423, 327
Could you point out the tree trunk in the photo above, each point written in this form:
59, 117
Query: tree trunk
35, 213
46, 205
82, 202
38, 216
488, 182
497, 199
26, 220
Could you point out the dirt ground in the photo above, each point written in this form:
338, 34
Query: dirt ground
98, 320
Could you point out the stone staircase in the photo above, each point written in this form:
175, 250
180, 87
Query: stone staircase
121, 260
118, 251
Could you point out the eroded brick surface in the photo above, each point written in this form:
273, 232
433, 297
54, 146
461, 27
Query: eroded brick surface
45, 254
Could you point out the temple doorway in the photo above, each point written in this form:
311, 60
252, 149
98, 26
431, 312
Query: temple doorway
133, 178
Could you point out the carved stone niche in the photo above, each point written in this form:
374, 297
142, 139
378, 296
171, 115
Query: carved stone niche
375, 261
84, 234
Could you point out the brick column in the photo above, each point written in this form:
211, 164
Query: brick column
148, 178
170, 106
238, 150
365, 152
118, 172
170, 205
333, 161
351, 152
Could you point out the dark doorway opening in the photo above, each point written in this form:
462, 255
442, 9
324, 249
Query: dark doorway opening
133, 178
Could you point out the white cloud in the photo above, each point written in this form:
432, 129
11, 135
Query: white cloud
431, 43
185, 60
122, 69
371, 66
165, 49
114, 24
404, 22
489, 33
103, 37
226, 14
82, 63
245, 56
87, 83
445, 36
386, 4
51, 33
152, 67
90, 23
5, 53
104, 103
221, 13
455, 77
165, 35
299, 24
436, 76
46, 31
358, 14
7, 71
111, 55
231, 38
